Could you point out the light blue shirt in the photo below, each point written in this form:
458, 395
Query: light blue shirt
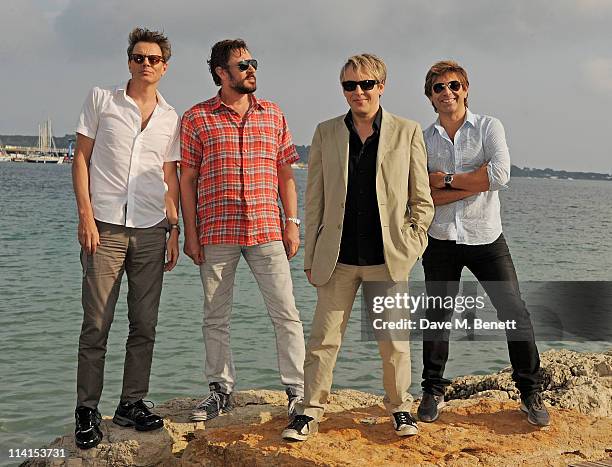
475, 220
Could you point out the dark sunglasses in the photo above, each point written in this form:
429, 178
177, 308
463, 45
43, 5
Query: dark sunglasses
243, 65
365, 85
153, 59
452, 85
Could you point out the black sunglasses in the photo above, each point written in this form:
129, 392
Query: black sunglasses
153, 59
243, 65
365, 85
452, 85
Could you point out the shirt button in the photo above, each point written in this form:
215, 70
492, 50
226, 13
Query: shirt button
339, 226
341, 205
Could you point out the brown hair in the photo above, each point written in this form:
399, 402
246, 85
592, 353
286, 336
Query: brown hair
220, 54
368, 64
145, 35
440, 68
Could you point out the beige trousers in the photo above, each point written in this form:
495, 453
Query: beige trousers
334, 305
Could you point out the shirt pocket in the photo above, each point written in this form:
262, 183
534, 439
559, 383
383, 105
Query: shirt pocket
472, 155
440, 161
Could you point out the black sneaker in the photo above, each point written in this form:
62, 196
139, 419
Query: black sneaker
215, 404
300, 428
138, 415
293, 400
429, 408
87, 432
533, 406
404, 424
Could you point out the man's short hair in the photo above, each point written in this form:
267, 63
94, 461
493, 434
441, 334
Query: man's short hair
220, 55
366, 64
440, 68
145, 35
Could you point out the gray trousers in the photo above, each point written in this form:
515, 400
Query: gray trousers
140, 253
269, 265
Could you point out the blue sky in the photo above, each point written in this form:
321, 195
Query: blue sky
543, 67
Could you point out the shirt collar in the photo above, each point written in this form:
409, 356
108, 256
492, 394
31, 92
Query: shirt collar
470, 119
348, 120
216, 103
161, 102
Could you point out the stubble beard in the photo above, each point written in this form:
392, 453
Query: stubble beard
242, 88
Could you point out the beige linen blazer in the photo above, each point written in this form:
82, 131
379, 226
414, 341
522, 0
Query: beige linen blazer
402, 188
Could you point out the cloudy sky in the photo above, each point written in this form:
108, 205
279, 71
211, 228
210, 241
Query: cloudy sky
543, 67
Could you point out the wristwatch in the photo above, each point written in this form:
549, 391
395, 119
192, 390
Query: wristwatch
295, 220
448, 179
175, 227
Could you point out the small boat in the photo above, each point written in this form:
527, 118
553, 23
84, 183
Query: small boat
45, 159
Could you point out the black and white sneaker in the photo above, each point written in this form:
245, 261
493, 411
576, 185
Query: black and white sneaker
300, 428
429, 408
138, 415
215, 404
87, 432
534, 407
293, 401
404, 424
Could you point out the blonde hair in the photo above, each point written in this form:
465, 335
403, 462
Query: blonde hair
367, 64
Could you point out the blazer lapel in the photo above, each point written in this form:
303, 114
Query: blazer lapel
387, 134
342, 145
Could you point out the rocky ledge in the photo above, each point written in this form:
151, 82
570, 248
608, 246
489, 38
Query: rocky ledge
480, 426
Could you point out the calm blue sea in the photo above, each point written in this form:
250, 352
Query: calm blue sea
556, 229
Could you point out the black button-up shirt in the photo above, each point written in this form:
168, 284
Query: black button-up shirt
362, 243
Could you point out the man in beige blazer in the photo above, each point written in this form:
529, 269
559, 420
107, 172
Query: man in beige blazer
368, 208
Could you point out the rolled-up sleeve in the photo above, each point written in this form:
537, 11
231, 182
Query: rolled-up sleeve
497, 154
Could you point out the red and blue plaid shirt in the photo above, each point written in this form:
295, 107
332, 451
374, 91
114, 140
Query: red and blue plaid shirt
237, 159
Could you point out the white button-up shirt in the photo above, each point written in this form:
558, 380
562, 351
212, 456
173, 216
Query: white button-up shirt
126, 179
475, 220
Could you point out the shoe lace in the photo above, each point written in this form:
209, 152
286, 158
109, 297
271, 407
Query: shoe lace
213, 399
142, 407
299, 421
404, 418
536, 401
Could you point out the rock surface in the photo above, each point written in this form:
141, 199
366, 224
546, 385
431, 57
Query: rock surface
480, 426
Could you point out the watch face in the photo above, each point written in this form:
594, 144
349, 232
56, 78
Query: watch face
448, 178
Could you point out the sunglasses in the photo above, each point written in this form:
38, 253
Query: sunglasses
452, 85
243, 65
365, 85
153, 59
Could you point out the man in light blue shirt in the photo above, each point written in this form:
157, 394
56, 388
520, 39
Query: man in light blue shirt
468, 163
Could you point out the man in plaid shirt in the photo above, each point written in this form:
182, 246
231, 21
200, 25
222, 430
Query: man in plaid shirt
236, 161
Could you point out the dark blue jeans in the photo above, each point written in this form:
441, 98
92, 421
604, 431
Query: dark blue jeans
492, 266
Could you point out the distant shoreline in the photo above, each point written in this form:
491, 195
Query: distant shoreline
553, 174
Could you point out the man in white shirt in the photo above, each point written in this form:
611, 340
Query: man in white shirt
468, 162
127, 193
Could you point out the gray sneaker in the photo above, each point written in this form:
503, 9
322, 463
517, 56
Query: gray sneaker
215, 404
533, 406
300, 428
293, 401
429, 408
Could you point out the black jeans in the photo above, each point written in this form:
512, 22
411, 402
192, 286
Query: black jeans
492, 266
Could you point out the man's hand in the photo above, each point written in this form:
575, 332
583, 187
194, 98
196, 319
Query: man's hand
89, 238
172, 250
291, 239
307, 271
436, 180
193, 249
